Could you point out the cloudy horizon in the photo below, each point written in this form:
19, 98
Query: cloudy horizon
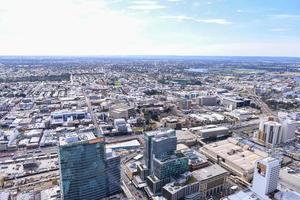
150, 27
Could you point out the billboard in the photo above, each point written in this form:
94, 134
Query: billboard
261, 169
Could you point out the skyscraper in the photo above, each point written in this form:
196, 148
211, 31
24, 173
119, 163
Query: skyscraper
270, 132
84, 172
113, 172
266, 174
290, 123
159, 144
172, 166
162, 159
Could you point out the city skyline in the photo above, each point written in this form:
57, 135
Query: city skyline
151, 127
149, 99
170, 27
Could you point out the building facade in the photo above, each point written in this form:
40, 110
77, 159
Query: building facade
159, 144
172, 166
113, 172
266, 175
235, 102
185, 186
84, 171
212, 180
270, 133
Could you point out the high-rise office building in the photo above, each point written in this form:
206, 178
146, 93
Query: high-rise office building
84, 171
165, 169
266, 174
290, 123
159, 144
113, 172
161, 158
270, 132
289, 128
172, 166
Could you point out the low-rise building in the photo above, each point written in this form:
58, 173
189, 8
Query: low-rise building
208, 101
238, 159
210, 131
181, 187
212, 180
196, 160
235, 102
64, 117
186, 137
121, 111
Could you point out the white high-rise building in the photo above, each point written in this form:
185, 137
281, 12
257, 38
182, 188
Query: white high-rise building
273, 132
266, 175
270, 132
289, 128
290, 123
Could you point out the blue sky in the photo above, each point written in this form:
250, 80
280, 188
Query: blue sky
150, 27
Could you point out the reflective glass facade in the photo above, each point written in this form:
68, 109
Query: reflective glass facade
170, 167
83, 171
159, 144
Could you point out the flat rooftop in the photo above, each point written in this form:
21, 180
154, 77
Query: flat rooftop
163, 132
184, 135
231, 151
153, 178
173, 187
124, 145
171, 157
269, 160
244, 195
75, 137
209, 172
208, 130
236, 99
272, 123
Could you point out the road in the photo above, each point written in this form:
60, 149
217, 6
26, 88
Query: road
127, 184
258, 101
32, 152
124, 138
136, 193
33, 180
90, 109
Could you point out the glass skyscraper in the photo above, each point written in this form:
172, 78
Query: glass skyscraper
83, 167
113, 172
159, 144
161, 158
172, 166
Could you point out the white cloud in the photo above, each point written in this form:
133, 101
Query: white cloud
177, 17
73, 27
207, 21
279, 29
145, 5
90, 27
214, 21
280, 48
285, 16
174, 0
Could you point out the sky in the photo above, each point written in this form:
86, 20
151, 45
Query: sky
150, 27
